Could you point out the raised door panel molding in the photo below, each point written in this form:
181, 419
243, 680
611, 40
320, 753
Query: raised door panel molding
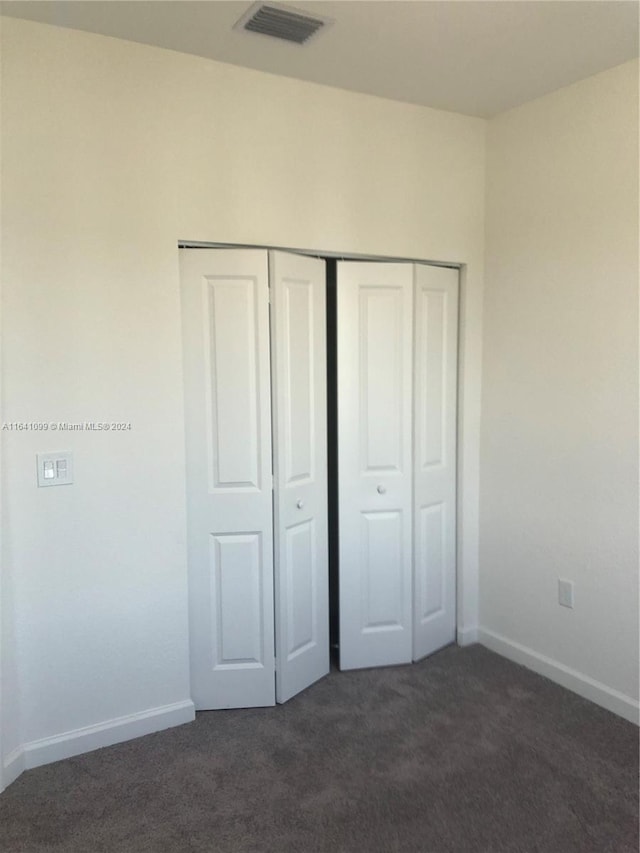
382, 380
236, 593
382, 580
430, 580
232, 383
432, 309
301, 591
299, 372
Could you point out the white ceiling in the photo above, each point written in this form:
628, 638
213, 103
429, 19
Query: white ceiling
477, 57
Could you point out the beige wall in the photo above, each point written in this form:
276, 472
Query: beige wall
559, 452
112, 152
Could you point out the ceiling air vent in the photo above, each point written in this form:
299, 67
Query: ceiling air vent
281, 22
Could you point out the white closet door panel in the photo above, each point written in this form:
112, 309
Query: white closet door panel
384, 582
298, 322
374, 307
435, 390
225, 320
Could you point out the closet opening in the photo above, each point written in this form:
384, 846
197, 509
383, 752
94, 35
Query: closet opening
320, 421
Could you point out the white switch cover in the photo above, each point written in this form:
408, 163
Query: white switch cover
565, 593
55, 469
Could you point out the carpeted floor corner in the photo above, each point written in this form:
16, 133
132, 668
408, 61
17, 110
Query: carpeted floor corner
464, 752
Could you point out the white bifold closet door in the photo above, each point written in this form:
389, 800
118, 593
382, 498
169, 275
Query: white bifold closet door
435, 396
375, 354
298, 351
397, 344
231, 490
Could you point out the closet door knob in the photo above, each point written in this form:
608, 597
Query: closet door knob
300, 504
382, 489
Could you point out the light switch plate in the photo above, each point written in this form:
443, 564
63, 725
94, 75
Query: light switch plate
55, 469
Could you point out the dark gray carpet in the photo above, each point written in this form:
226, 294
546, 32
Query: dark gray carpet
463, 752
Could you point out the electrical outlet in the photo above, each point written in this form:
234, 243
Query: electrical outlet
565, 593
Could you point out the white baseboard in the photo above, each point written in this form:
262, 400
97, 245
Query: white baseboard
12, 767
467, 636
583, 685
113, 731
